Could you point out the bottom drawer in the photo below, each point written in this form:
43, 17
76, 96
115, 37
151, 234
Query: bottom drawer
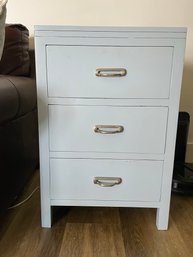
86, 179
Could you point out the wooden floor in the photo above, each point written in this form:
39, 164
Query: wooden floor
96, 232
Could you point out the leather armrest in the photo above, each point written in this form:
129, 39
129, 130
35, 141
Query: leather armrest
17, 96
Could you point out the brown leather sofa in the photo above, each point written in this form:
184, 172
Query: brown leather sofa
18, 115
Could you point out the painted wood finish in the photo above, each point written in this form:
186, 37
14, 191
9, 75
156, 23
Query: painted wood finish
73, 179
138, 135
138, 94
148, 71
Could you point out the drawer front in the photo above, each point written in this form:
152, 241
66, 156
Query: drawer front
124, 180
71, 71
88, 129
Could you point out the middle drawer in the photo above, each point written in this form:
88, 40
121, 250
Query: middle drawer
107, 129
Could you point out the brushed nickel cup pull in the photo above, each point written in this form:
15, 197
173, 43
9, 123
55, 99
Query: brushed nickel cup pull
107, 181
108, 129
111, 72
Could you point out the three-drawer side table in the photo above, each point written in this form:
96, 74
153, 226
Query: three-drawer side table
108, 103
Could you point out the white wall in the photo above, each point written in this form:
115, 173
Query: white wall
115, 12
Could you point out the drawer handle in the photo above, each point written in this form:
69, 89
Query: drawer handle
107, 181
108, 129
111, 72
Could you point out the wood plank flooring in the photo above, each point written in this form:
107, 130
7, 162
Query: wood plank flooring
96, 232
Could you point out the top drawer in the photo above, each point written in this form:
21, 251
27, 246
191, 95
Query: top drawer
71, 71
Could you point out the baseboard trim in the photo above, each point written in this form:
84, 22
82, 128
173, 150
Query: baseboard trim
189, 152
